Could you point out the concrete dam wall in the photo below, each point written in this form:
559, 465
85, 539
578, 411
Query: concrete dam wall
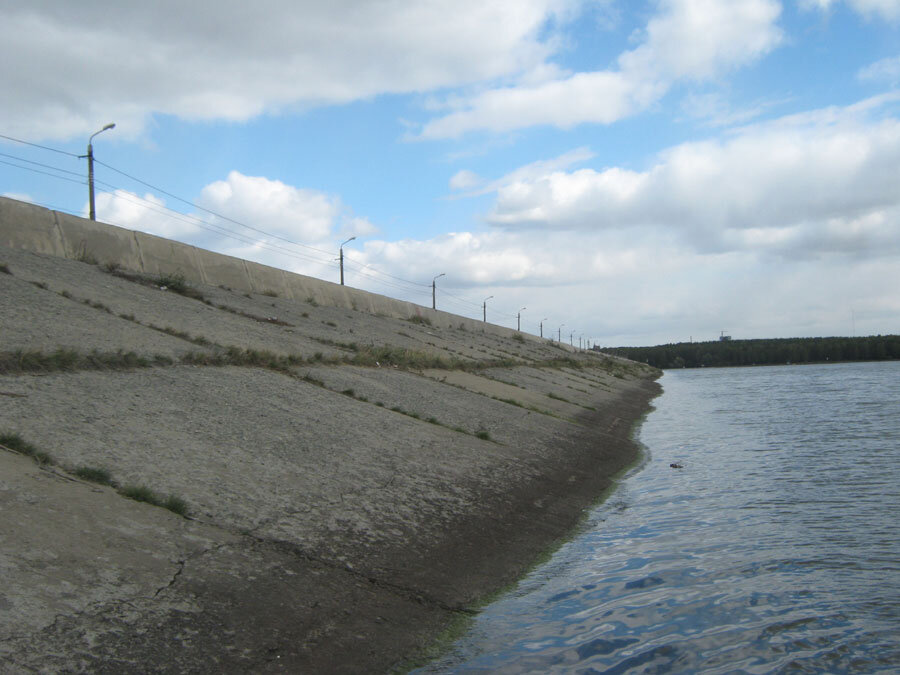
262, 472
41, 230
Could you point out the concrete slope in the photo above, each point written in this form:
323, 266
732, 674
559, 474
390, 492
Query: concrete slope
354, 482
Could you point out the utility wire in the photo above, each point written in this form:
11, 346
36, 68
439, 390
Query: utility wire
186, 218
42, 147
46, 166
45, 173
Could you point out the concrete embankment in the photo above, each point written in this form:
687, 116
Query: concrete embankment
358, 472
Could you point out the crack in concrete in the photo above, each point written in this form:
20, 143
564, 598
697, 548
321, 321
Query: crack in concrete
400, 590
181, 565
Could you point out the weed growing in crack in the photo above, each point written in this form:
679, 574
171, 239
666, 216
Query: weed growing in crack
14, 441
94, 475
141, 493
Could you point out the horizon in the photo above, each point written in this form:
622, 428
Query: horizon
626, 171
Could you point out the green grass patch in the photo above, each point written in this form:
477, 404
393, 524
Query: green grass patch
14, 441
269, 292
142, 493
422, 320
94, 475
558, 398
66, 360
483, 434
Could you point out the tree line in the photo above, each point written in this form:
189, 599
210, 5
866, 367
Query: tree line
763, 352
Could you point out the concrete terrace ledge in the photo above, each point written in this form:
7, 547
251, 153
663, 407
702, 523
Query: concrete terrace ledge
355, 482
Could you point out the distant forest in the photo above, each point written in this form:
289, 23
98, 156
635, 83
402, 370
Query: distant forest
764, 352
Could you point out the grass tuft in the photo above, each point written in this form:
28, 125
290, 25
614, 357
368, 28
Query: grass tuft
141, 493
14, 441
417, 318
85, 256
175, 505
94, 474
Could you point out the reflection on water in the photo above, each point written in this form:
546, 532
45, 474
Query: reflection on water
775, 548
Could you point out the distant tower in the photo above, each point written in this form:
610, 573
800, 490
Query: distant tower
723, 337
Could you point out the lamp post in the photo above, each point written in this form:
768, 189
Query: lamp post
90, 159
570, 337
559, 332
542, 326
433, 289
342, 258
485, 307
519, 319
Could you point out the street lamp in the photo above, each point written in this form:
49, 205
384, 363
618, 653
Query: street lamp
90, 159
542, 326
559, 333
342, 258
519, 319
433, 287
485, 307
570, 336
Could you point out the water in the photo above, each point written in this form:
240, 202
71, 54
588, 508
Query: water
775, 549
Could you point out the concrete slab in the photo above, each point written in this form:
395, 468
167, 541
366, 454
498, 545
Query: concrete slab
164, 257
92, 241
30, 227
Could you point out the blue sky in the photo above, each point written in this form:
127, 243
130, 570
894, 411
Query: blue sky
636, 172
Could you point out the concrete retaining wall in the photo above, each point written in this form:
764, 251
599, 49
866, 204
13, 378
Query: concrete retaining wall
41, 230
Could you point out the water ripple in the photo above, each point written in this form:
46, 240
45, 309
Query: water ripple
774, 550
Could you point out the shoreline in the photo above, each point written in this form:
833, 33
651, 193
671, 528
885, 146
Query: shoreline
341, 513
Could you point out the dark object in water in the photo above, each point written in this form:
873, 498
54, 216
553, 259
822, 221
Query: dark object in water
676, 465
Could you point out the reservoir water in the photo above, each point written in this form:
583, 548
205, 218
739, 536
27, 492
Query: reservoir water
775, 549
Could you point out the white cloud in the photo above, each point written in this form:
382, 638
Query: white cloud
289, 227
147, 213
885, 9
74, 65
823, 181
619, 285
465, 180
885, 70
687, 40
272, 206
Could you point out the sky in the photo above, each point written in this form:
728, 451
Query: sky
612, 172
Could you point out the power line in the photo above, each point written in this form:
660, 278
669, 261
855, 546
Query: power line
46, 166
45, 173
42, 147
218, 229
